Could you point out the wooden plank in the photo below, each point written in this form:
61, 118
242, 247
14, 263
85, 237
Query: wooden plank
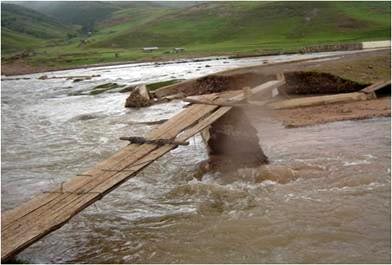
35, 203
30, 206
143, 140
72, 184
22, 231
47, 212
265, 89
214, 103
376, 86
62, 216
320, 100
21, 228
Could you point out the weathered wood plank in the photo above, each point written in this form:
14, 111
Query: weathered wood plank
376, 86
35, 203
320, 100
83, 185
21, 229
265, 89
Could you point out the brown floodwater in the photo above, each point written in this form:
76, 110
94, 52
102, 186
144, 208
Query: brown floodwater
336, 211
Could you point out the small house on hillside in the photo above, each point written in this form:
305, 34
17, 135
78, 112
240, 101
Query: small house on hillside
150, 49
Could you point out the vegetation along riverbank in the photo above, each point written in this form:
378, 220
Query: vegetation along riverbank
39, 36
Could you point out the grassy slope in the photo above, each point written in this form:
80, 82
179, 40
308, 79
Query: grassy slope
82, 13
221, 28
23, 28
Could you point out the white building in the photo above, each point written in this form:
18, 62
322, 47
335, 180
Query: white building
150, 49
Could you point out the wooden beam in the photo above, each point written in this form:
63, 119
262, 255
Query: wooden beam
267, 87
34, 219
376, 86
213, 103
142, 140
320, 100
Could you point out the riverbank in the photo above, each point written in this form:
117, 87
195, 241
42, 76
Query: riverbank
23, 67
37, 62
346, 71
28, 65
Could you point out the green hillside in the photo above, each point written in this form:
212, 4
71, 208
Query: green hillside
84, 14
23, 28
118, 30
227, 25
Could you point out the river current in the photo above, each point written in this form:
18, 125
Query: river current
339, 213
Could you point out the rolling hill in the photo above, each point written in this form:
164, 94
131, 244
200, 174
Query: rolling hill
23, 28
231, 24
118, 30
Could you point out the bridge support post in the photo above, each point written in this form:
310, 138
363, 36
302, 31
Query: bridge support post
233, 143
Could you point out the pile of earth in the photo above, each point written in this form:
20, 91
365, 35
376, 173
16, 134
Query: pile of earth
309, 82
218, 83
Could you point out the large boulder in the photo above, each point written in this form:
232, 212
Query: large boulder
139, 97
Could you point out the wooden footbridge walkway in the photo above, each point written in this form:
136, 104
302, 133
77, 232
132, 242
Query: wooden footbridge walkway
48, 211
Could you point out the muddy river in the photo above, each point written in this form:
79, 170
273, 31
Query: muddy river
337, 211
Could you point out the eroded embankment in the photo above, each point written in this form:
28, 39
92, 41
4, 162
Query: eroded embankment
297, 82
315, 83
227, 137
233, 142
347, 74
311, 82
214, 83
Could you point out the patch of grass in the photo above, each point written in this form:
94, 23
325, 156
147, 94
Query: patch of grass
104, 88
155, 86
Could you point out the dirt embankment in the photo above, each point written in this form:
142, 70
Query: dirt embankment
344, 74
316, 83
291, 118
20, 67
363, 67
218, 83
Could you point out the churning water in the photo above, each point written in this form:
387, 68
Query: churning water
337, 211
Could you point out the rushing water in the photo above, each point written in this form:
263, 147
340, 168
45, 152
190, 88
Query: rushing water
337, 212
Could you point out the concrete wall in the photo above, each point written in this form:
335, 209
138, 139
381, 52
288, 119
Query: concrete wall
347, 46
376, 44
333, 47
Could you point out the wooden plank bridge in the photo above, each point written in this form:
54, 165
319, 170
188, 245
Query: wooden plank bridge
48, 211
